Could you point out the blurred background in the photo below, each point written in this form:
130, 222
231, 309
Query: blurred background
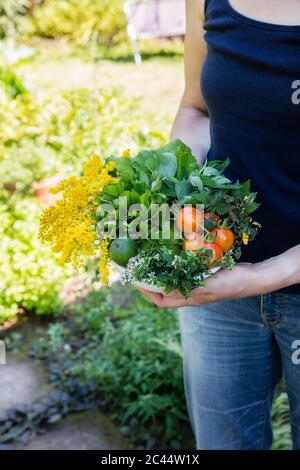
87, 367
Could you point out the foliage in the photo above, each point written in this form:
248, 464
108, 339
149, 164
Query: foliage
130, 348
171, 176
121, 354
168, 176
23, 422
130, 351
41, 136
81, 20
68, 224
10, 82
29, 277
11, 16
59, 134
281, 422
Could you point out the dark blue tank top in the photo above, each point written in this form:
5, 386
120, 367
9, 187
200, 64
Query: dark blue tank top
249, 81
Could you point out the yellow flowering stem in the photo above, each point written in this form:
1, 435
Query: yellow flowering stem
104, 261
245, 239
126, 153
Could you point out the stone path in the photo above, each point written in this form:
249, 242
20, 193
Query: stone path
85, 431
22, 382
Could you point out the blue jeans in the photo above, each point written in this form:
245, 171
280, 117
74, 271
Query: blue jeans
234, 354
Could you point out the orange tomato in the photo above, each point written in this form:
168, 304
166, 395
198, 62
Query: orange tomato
223, 237
217, 253
193, 242
188, 220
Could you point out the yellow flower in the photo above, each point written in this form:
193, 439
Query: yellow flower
92, 167
68, 224
245, 239
104, 261
126, 153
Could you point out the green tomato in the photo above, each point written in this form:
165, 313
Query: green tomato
122, 249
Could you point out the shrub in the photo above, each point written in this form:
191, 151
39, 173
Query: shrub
11, 16
81, 20
39, 137
10, 82
51, 135
133, 362
29, 277
130, 351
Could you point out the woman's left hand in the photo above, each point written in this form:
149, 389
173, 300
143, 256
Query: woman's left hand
244, 280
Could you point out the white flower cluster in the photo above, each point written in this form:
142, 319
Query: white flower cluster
136, 266
128, 276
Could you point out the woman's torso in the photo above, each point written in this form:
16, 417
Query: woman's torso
250, 81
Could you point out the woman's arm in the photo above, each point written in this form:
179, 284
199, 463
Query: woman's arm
244, 280
191, 123
192, 126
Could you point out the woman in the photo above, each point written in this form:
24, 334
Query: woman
241, 333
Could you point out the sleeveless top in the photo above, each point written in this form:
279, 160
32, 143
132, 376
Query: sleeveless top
250, 81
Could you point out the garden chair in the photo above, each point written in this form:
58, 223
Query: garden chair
153, 19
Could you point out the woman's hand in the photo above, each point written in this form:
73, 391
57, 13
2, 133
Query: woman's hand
244, 280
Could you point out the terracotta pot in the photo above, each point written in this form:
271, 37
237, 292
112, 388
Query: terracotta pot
41, 189
11, 187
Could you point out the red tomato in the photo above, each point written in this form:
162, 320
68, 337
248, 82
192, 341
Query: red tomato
217, 253
211, 216
223, 237
193, 242
188, 220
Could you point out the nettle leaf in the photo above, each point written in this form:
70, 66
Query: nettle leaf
183, 188
146, 161
144, 178
221, 208
208, 181
167, 164
200, 198
186, 162
243, 189
169, 191
124, 167
146, 198
113, 190
217, 183
252, 207
186, 200
156, 185
220, 179
221, 165
135, 197
210, 171
196, 181
139, 187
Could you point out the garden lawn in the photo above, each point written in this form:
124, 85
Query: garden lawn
158, 81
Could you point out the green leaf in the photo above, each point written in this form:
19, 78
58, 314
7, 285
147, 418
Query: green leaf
183, 188
186, 162
135, 197
167, 165
196, 181
124, 167
113, 190
156, 185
